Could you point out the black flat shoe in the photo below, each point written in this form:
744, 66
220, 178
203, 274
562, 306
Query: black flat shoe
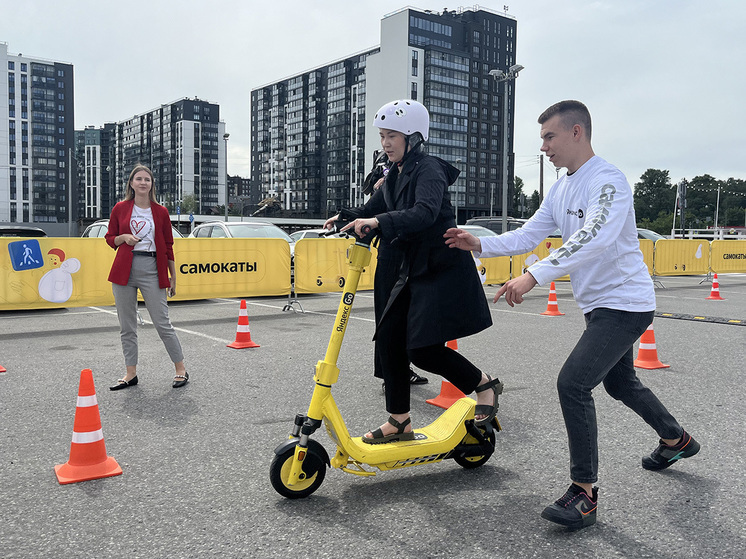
122, 384
184, 379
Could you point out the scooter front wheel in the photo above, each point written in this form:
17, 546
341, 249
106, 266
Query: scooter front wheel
469, 462
314, 471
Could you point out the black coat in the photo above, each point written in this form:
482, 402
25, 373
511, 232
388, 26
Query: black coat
413, 209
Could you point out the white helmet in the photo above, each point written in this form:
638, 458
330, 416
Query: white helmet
405, 116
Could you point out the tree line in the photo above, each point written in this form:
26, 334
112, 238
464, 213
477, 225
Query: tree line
656, 201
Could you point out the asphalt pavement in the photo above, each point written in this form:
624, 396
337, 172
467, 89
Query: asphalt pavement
196, 460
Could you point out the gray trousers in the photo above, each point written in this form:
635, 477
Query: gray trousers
144, 276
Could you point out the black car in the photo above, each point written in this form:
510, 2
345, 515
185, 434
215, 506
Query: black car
21, 231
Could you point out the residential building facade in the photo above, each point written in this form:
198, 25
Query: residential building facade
312, 139
182, 143
36, 139
95, 154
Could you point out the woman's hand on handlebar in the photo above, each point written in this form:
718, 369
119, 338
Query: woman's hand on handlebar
329, 223
362, 226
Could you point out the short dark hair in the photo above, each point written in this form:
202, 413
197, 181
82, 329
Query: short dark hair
571, 113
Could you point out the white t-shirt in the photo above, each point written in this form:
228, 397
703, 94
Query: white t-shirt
594, 210
143, 227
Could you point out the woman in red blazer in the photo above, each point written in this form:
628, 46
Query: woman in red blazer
140, 232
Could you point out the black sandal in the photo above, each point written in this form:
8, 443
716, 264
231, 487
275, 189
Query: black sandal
121, 383
485, 409
180, 383
379, 438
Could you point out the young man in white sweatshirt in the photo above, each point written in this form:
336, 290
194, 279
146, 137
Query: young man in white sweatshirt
593, 207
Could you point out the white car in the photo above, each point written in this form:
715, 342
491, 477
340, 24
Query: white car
315, 234
242, 230
100, 227
239, 230
478, 230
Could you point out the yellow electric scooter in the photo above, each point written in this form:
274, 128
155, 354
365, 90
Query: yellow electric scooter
299, 465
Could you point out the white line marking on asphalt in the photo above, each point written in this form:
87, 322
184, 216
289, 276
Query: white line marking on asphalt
200, 334
105, 311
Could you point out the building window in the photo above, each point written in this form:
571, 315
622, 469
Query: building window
24, 67
414, 91
415, 64
11, 65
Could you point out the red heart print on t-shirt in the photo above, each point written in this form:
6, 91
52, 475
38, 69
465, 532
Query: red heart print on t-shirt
139, 227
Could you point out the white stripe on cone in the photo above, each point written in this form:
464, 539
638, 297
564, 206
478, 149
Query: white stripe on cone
88, 437
87, 401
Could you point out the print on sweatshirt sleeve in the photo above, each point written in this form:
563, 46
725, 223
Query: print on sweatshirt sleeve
590, 230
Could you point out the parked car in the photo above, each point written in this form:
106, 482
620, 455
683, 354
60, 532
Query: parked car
100, 227
21, 231
648, 234
478, 231
495, 223
315, 234
239, 230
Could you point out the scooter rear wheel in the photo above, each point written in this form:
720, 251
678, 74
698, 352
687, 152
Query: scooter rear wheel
314, 471
470, 462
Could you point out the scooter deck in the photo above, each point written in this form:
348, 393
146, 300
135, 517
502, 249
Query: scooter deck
438, 438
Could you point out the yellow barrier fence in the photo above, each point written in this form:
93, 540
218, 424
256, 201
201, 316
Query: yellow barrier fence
728, 256
647, 247
231, 268
681, 257
493, 270
520, 262
58, 272
321, 266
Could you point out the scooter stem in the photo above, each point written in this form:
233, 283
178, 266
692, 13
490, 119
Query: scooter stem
327, 372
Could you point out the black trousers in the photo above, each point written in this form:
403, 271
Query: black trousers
394, 358
604, 354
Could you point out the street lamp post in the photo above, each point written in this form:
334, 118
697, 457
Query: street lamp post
505, 77
455, 184
225, 137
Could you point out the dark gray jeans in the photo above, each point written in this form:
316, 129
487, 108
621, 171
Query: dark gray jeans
605, 354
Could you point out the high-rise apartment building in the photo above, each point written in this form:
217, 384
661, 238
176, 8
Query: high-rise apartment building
95, 154
312, 138
182, 143
36, 139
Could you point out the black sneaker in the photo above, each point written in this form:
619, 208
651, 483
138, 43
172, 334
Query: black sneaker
414, 378
575, 509
665, 455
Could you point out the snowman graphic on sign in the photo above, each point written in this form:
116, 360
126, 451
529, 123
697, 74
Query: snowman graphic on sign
56, 286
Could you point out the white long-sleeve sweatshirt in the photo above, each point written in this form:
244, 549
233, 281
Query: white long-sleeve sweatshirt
594, 210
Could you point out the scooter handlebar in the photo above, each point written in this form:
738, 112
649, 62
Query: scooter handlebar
367, 237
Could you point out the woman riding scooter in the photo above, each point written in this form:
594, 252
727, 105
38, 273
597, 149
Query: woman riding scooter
434, 294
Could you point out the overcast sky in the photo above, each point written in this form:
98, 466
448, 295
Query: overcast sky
664, 79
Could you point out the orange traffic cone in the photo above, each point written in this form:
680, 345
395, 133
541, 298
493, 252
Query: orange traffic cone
448, 392
243, 334
88, 459
715, 292
647, 356
552, 306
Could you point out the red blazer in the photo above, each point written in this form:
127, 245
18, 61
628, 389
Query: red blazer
119, 223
